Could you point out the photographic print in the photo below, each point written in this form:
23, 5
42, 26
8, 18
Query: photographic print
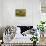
20, 12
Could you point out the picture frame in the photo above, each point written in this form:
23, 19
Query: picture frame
20, 12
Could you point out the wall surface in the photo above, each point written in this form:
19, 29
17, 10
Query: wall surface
0, 11
8, 12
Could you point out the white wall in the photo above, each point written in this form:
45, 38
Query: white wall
32, 12
0, 11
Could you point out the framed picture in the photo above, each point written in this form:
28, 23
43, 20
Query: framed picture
20, 12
